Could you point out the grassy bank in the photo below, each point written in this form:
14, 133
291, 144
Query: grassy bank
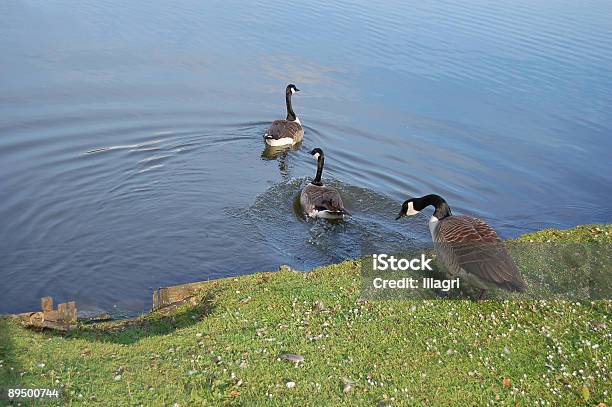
225, 347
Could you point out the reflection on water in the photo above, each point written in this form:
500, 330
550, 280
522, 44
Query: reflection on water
281, 155
131, 151
280, 152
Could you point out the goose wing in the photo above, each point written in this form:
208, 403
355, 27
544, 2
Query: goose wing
469, 244
283, 128
321, 197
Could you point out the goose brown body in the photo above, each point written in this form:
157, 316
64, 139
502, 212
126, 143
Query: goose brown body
284, 129
322, 201
470, 248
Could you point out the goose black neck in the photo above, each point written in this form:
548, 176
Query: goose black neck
442, 210
320, 161
290, 113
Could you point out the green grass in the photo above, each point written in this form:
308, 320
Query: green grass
224, 348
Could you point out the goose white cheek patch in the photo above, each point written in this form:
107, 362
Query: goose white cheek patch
316, 156
411, 211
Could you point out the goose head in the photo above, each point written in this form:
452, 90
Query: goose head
316, 153
408, 209
291, 89
415, 205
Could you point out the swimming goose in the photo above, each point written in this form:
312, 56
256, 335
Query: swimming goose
288, 131
318, 200
467, 246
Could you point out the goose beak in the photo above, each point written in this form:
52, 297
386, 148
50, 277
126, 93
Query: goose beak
297, 90
399, 216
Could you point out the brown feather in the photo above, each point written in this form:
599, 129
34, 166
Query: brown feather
285, 128
321, 197
468, 244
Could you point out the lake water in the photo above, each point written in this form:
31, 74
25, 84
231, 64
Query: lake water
131, 151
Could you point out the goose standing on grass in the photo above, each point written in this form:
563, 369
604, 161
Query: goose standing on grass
318, 200
289, 131
468, 247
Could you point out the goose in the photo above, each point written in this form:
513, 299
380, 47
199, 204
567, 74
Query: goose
318, 200
289, 131
468, 247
